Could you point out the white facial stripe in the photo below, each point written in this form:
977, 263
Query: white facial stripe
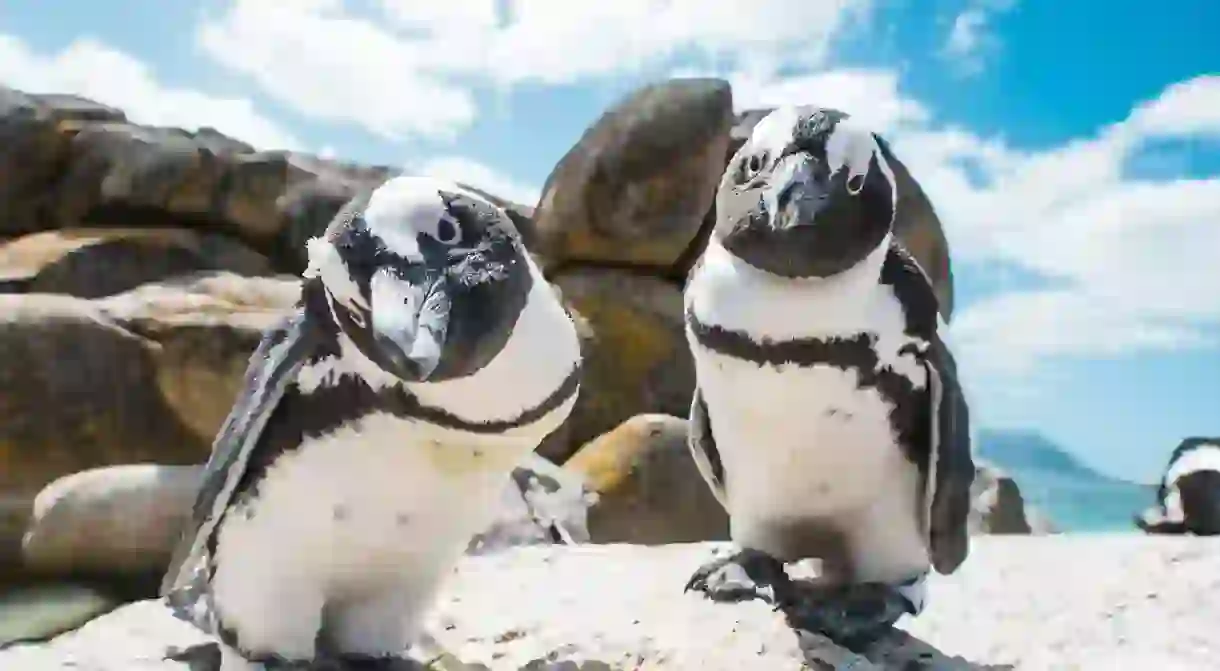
1205, 457
326, 264
395, 303
402, 208
774, 132
851, 144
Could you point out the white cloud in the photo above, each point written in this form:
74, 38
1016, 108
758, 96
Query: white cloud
409, 70
870, 95
469, 171
970, 39
94, 70
1132, 260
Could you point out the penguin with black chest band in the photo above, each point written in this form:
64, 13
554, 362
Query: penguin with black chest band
375, 434
1188, 496
827, 416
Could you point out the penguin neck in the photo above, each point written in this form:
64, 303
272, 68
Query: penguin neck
728, 292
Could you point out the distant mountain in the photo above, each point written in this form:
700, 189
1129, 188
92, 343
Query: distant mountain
1073, 496
1026, 450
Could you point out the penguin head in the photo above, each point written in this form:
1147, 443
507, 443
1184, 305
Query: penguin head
810, 194
424, 277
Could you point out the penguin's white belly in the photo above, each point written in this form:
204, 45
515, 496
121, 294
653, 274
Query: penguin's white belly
808, 444
382, 507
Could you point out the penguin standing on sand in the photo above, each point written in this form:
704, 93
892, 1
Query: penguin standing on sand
376, 432
1188, 496
827, 417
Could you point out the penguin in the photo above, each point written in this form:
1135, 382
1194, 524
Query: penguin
827, 417
1188, 495
376, 431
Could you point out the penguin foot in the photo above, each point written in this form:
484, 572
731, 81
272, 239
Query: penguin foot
853, 616
352, 662
748, 574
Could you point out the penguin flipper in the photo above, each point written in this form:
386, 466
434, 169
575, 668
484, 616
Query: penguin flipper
273, 365
950, 468
703, 448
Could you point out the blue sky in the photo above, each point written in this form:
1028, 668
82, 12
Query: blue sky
1073, 151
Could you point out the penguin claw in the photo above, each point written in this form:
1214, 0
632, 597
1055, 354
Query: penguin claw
854, 616
748, 574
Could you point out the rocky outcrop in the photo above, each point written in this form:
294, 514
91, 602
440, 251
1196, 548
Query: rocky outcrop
636, 186
622, 607
1188, 495
647, 488
139, 265
999, 508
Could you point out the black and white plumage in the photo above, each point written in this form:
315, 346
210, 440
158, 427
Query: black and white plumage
376, 430
828, 417
1188, 496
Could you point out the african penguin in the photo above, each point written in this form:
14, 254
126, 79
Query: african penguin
827, 416
1188, 496
376, 431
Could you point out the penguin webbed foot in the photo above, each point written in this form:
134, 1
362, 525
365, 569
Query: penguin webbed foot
742, 576
366, 663
853, 615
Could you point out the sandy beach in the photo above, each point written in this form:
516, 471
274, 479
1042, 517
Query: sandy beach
1056, 602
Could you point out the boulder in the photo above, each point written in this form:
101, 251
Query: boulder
998, 507
915, 221
92, 263
636, 356
33, 151
111, 521
78, 390
146, 376
635, 188
1122, 601
205, 327
37, 612
648, 490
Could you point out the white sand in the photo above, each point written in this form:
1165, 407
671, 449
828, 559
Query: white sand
1052, 602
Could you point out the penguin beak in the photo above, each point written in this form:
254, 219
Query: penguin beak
795, 195
410, 323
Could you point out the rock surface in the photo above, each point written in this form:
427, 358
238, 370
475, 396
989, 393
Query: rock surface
635, 352
121, 520
636, 186
1054, 602
998, 506
648, 489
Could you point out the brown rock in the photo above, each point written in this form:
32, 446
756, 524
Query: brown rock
78, 391
120, 171
144, 376
915, 222
314, 192
636, 357
112, 521
91, 263
648, 488
32, 151
636, 186
205, 328
999, 508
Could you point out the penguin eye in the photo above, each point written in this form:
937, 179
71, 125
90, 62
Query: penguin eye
448, 231
754, 165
